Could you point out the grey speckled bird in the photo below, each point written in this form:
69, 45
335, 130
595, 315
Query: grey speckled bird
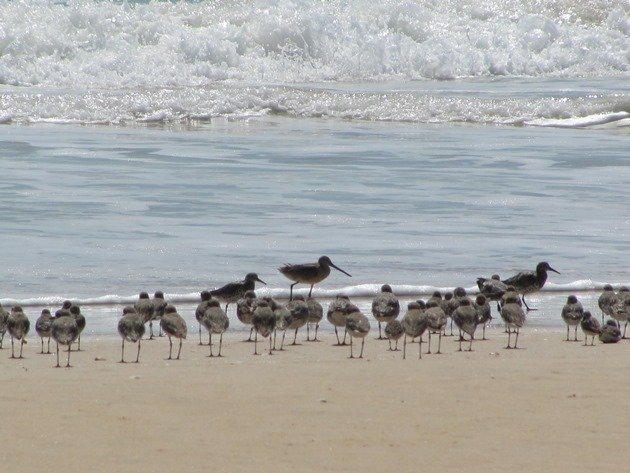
315, 315
4, 317
159, 304
337, 313
465, 317
131, 328
358, 326
606, 301
299, 315
43, 327
64, 331
414, 324
245, 307
513, 315
436, 322
216, 322
144, 307
18, 326
590, 326
173, 326
394, 331
385, 307
201, 310
572, 313
610, 332
264, 322
484, 313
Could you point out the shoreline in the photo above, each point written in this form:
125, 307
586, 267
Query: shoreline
552, 404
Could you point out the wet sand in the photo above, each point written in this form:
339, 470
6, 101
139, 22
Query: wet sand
551, 406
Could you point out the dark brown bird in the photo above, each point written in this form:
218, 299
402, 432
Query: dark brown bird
234, 291
309, 273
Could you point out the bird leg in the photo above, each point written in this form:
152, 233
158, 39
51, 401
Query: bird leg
122, 352
362, 345
221, 343
68, 362
170, 350
405, 347
351, 347
291, 291
138, 354
180, 348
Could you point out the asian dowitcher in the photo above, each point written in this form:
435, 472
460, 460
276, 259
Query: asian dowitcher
309, 273
234, 291
528, 282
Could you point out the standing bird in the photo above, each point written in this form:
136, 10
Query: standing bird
484, 314
64, 331
4, 317
315, 315
394, 330
159, 304
18, 326
528, 282
607, 301
385, 307
75, 312
283, 319
513, 315
201, 309
610, 332
299, 315
264, 322
621, 309
144, 307
465, 317
448, 308
234, 291
337, 313
414, 324
436, 322
215, 321
358, 326
309, 273
590, 326
131, 328
245, 307
43, 327
173, 325
572, 313
493, 288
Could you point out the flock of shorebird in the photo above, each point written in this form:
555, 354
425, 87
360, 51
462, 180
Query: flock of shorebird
267, 317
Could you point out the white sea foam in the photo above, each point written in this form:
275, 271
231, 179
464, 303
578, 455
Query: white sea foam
104, 62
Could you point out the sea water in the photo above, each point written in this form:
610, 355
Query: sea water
177, 146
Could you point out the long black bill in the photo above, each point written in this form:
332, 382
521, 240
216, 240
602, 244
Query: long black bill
339, 269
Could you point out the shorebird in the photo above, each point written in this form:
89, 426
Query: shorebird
590, 326
358, 326
4, 317
337, 313
131, 328
215, 321
610, 332
234, 291
64, 331
436, 322
264, 322
159, 304
315, 315
572, 313
309, 273
299, 315
607, 301
512, 314
75, 312
394, 330
459, 294
245, 307
385, 307
528, 282
283, 319
621, 309
18, 326
465, 317
448, 308
492, 288
144, 307
484, 314
43, 327
201, 309
173, 325
414, 324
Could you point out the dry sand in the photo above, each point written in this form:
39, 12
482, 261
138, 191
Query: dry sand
552, 406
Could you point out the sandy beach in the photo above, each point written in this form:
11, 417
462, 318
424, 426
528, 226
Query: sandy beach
551, 406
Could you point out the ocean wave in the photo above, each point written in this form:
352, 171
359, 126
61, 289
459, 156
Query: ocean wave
361, 291
113, 45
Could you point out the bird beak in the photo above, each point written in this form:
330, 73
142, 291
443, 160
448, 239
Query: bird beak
260, 280
339, 269
551, 269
